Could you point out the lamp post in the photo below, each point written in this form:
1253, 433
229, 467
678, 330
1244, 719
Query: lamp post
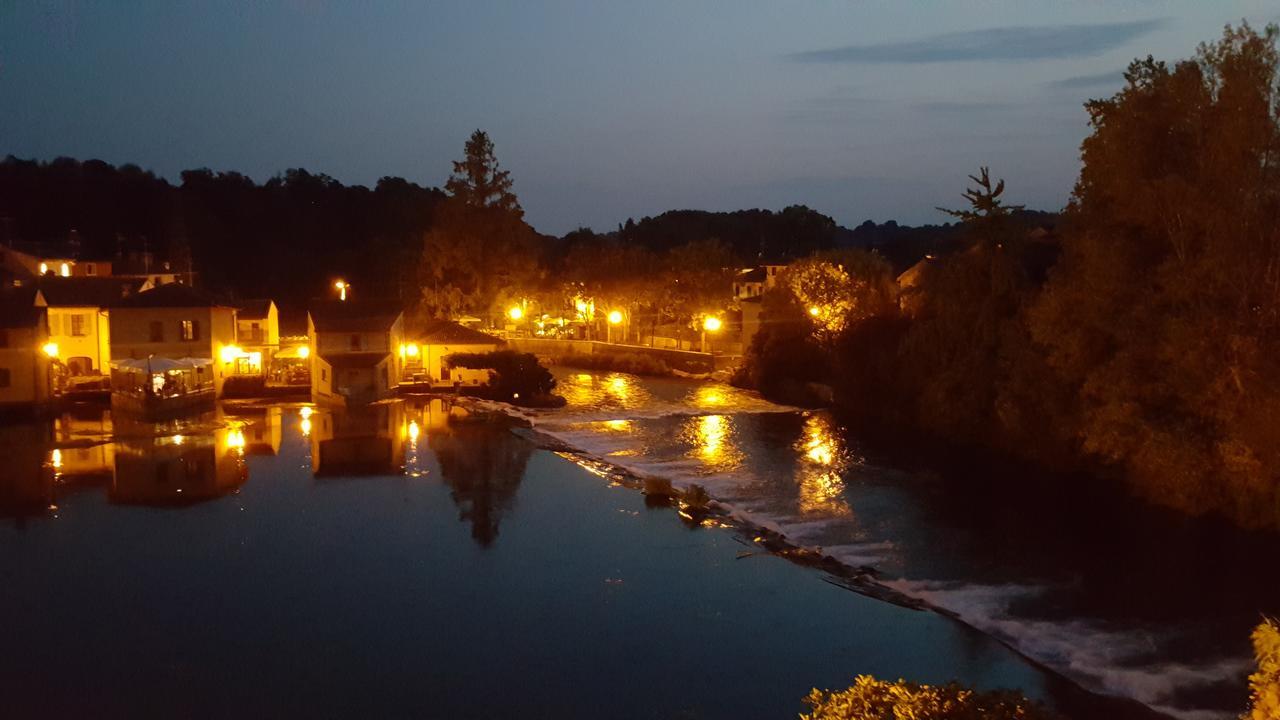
711, 324
342, 286
615, 317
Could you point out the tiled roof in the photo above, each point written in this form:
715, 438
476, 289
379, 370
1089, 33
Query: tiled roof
171, 295
354, 361
254, 308
446, 332
86, 291
354, 315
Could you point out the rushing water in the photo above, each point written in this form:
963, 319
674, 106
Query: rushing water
285, 560
1125, 599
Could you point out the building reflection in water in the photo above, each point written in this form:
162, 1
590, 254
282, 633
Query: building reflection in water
823, 458
483, 465
27, 482
357, 441
713, 441
262, 428
177, 468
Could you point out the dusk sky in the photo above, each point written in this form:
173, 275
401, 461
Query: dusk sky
601, 110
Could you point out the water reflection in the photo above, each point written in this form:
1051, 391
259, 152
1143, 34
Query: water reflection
713, 442
179, 469
819, 473
612, 391
483, 466
358, 441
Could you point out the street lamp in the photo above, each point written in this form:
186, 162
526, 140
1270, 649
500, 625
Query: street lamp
711, 324
615, 317
515, 313
342, 289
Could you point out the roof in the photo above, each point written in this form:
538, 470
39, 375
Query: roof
354, 315
86, 291
752, 275
447, 332
171, 295
355, 361
254, 308
18, 309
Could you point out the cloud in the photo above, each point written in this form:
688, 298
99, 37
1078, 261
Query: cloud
1106, 79
1004, 43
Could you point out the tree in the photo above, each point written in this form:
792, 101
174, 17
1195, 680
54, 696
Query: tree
479, 254
872, 699
478, 181
1265, 683
1163, 316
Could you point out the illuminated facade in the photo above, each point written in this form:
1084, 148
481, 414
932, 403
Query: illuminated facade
175, 321
258, 335
25, 360
354, 350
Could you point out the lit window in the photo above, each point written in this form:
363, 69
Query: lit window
90, 269
65, 270
190, 330
77, 325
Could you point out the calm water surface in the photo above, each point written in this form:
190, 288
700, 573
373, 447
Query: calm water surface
288, 561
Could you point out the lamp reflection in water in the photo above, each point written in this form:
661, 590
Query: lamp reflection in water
713, 440
818, 475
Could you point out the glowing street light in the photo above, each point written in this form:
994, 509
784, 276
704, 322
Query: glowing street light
615, 318
342, 286
304, 352
50, 349
515, 313
815, 311
711, 324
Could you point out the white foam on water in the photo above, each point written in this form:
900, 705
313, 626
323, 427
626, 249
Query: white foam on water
1099, 658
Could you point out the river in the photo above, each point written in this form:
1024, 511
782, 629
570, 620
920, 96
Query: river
283, 559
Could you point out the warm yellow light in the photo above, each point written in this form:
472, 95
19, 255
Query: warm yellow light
342, 289
55, 459
229, 353
50, 349
581, 306
179, 439
515, 313
815, 311
412, 349
413, 431
65, 270
44, 268
305, 412
615, 317
304, 352
306, 427
711, 323
235, 440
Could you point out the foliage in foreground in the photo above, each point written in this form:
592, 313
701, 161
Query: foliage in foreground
1265, 683
517, 377
872, 699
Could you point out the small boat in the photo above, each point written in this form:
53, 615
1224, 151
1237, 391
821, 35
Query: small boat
157, 388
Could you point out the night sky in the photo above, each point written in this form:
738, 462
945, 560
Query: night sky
601, 110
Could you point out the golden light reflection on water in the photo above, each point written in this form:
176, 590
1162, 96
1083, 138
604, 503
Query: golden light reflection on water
714, 441
611, 390
818, 475
619, 425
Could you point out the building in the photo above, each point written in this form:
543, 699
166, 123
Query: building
427, 359
176, 321
753, 282
79, 318
26, 355
258, 334
354, 348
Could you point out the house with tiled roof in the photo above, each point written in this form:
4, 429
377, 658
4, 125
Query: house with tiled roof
356, 349
429, 355
177, 322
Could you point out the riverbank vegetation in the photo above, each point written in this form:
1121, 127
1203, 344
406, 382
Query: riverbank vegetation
634, 363
518, 378
1142, 334
872, 699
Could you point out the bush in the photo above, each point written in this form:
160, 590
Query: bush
1265, 683
634, 363
872, 699
518, 377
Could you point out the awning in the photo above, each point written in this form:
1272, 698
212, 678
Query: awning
159, 364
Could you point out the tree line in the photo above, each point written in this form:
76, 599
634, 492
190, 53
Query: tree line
1144, 338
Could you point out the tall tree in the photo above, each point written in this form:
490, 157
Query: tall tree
478, 180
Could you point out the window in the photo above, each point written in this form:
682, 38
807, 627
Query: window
77, 325
190, 329
90, 269
157, 331
4, 377
355, 342
324, 374
255, 332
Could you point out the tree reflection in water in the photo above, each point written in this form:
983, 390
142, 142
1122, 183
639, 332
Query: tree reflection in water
483, 465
